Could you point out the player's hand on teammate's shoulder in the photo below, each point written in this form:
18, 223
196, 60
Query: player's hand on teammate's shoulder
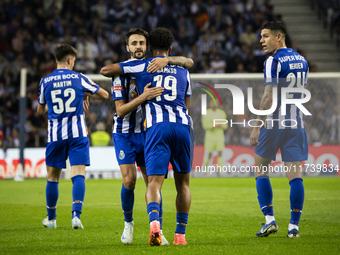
157, 64
86, 102
254, 136
151, 93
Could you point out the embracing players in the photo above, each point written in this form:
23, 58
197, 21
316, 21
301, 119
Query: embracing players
284, 68
61, 94
169, 137
128, 129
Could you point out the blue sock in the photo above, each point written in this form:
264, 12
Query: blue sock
78, 194
182, 221
128, 199
265, 194
153, 211
161, 211
52, 194
297, 196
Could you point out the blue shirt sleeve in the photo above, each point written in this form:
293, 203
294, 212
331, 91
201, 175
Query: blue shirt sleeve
41, 99
272, 69
188, 92
119, 88
134, 68
88, 85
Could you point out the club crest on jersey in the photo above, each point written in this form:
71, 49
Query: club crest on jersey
133, 95
121, 155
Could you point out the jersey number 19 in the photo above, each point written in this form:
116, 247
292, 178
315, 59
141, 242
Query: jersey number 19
173, 87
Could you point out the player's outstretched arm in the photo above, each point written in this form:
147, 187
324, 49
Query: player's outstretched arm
124, 108
159, 63
266, 103
111, 70
102, 93
41, 109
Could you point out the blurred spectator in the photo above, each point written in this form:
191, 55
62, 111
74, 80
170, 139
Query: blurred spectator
204, 44
100, 8
218, 64
249, 37
118, 12
85, 64
152, 19
7, 77
217, 37
201, 19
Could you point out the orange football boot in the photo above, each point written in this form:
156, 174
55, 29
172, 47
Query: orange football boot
180, 239
155, 238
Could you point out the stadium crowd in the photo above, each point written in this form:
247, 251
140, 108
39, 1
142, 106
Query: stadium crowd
220, 36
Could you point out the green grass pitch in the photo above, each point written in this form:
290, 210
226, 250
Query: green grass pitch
224, 218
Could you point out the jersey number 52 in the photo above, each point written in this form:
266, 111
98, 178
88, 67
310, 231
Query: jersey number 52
59, 108
167, 80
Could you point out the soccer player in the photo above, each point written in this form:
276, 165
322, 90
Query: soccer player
284, 68
64, 93
128, 130
169, 137
214, 136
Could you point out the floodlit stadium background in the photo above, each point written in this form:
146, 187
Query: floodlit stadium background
221, 37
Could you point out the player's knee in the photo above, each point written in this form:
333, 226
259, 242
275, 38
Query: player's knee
293, 175
129, 184
129, 181
183, 187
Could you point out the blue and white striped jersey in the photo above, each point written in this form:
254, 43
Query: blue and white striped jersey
286, 68
124, 87
63, 92
170, 106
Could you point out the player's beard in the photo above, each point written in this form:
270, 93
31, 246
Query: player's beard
134, 55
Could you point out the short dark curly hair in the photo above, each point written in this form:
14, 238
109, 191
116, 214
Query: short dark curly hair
161, 39
137, 31
276, 26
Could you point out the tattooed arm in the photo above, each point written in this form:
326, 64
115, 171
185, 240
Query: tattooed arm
266, 103
181, 61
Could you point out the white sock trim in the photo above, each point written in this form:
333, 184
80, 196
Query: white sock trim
155, 221
269, 218
292, 226
179, 234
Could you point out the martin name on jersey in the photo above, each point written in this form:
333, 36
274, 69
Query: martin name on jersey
63, 91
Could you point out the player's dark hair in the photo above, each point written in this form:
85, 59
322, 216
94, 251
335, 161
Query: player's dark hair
161, 38
61, 51
137, 31
276, 26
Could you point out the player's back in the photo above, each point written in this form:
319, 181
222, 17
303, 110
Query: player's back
287, 69
63, 91
170, 106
